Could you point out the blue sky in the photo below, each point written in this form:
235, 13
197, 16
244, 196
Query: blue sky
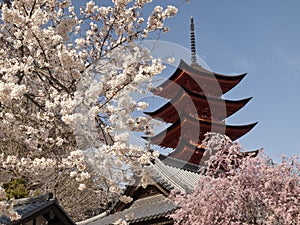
261, 38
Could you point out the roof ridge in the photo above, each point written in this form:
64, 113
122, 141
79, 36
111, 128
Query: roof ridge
40, 198
156, 199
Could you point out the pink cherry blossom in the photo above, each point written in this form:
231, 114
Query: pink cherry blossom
241, 190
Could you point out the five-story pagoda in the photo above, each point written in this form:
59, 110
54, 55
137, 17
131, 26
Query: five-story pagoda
196, 107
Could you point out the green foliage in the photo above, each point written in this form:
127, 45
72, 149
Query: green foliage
16, 188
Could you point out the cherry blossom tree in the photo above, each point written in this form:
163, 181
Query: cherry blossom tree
239, 189
67, 75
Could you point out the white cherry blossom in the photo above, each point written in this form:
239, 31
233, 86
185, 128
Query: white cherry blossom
66, 84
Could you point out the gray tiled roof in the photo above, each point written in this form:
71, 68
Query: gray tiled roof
144, 209
169, 174
31, 208
172, 177
28, 205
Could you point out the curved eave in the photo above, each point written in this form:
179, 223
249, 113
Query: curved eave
218, 108
232, 131
200, 76
170, 137
200, 71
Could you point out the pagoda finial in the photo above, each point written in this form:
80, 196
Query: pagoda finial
193, 45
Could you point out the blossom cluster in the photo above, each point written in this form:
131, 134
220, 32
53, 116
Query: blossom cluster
40, 168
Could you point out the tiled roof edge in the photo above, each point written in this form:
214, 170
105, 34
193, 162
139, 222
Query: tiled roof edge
40, 198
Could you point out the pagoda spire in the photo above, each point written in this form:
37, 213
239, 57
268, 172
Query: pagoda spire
193, 43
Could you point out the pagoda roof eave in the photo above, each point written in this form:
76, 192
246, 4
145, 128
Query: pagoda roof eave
195, 95
202, 74
189, 118
230, 106
232, 131
184, 66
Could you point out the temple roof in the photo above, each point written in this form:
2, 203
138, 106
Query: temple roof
197, 79
193, 129
142, 210
169, 174
43, 205
208, 108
